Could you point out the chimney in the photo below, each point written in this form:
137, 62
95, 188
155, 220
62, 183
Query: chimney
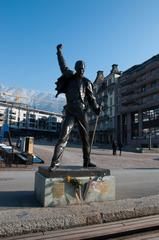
115, 69
99, 77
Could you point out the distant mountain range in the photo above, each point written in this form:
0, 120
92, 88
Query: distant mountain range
39, 100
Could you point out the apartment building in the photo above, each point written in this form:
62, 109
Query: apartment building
138, 109
24, 120
2, 114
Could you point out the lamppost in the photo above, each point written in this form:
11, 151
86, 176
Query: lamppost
150, 139
148, 133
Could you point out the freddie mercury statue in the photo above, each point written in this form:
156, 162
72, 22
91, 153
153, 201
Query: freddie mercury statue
79, 93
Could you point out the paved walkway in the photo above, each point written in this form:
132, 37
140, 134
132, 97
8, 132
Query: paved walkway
102, 157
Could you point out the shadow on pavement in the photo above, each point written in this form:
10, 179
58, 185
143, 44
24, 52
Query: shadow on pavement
18, 199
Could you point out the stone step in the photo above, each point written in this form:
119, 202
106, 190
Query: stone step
108, 230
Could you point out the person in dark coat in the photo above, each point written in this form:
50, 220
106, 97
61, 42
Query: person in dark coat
114, 147
79, 92
120, 145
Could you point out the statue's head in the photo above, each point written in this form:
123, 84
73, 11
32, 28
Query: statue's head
80, 67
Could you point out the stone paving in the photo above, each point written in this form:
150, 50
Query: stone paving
102, 157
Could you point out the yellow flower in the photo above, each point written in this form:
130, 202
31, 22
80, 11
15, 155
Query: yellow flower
68, 179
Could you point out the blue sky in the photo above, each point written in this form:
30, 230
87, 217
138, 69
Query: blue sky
101, 32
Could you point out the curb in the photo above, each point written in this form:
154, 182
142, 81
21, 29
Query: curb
28, 220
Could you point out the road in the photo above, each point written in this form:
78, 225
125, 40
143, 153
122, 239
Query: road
137, 175
136, 183
17, 189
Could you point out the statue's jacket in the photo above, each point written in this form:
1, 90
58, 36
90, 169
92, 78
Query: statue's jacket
78, 91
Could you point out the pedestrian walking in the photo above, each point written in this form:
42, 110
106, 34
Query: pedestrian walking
114, 147
120, 145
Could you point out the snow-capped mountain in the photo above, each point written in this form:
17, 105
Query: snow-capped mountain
39, 100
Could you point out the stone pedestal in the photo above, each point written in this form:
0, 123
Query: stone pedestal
54, 189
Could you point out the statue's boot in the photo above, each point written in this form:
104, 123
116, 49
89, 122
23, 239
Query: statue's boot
88, 164
56, 157
54, 165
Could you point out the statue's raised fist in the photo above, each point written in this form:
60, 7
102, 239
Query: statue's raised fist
59, 46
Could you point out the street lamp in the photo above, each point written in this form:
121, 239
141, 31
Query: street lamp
148, 132
150, 139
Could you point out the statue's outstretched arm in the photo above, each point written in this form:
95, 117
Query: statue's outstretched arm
61, 60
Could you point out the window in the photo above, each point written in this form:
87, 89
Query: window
111, 101
150, 115
151, 132
110, 111
109, 81
136, 118
153, 84
32, 115
143, 88
145, 116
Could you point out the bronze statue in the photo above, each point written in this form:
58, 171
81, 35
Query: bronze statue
79, 92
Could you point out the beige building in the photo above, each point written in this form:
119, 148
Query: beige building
138, 110
105, 90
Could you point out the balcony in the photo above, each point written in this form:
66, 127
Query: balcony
138, 96
12, 117
129, 99
139, 106
150, 91
12, 112
139, 82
